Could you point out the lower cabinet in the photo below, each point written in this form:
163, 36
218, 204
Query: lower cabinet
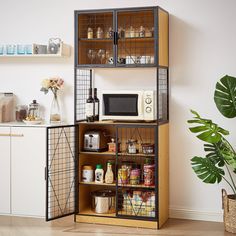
28, 157
5, 170
22, 163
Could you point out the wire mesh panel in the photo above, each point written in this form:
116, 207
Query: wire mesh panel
61, 169
136, 37
83, 83
95, 32
163, 94
137, 203
137, 171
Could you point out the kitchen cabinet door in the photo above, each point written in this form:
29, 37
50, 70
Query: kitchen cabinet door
5, 161
28, 163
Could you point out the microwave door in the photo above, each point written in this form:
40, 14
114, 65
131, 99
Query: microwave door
121, 106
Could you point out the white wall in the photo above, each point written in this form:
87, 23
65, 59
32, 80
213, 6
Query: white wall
202, 50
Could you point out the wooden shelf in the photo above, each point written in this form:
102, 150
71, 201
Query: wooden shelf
129, 39
99, 153
100, 184
92, 213
119, 154
105, 40
64, 52
119, 185
111, 122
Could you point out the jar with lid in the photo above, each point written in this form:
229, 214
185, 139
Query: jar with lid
122, 176
135, 175
21, 112
131, 146
87, 173
149, 172
90, 33
141, 31
33, 110
109, 33
128, 166
99, 33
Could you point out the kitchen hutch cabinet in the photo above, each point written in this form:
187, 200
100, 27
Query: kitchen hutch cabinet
115, 38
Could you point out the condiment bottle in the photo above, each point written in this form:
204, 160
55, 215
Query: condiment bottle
90, 33
87, 173
99, 174
109, 176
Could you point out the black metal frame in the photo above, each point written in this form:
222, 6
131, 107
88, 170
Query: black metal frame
155, 126
62, 159
115, 39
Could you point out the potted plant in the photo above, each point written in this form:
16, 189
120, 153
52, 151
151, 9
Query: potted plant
220, 155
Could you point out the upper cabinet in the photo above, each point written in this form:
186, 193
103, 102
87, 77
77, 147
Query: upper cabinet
121, 38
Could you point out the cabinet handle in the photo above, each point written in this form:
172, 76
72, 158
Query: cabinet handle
17, 135
5, 135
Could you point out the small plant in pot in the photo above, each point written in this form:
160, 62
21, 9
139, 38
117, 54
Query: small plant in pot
220, 155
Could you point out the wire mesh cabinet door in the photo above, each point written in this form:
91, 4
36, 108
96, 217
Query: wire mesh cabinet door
60, 172
136, 45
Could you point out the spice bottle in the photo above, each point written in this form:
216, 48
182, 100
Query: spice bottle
109, 176
21, 112
142, 31
99, 174
99, 33
90, 33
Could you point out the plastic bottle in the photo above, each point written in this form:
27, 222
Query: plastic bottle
99, 174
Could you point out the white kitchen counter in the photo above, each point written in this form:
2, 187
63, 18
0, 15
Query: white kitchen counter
22, 124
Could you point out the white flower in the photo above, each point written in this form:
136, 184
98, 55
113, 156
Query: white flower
46, 83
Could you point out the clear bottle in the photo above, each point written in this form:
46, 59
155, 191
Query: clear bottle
96, 105
99, 174
89, 107
34, 110
109, 176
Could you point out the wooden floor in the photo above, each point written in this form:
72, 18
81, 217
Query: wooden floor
19, 226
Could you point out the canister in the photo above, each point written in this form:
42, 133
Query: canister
87, 173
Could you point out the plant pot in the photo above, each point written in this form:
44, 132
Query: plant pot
229, 206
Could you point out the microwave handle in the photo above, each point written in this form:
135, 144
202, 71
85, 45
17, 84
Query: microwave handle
140, 105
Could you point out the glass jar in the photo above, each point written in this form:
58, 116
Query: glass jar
90, 33
131, 146
141, 31
149, 172
99, 33
21, 112
33, 110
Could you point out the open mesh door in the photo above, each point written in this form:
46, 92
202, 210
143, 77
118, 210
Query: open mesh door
60, 172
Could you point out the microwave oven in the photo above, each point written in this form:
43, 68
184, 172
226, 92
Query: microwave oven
128, 105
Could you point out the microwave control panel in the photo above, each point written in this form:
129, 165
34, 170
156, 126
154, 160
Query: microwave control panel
149, 105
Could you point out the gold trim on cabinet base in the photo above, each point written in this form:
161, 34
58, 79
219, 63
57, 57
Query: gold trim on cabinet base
117, 221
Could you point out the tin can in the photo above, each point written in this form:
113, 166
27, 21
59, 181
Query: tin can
135, 176
149, 174
122, 176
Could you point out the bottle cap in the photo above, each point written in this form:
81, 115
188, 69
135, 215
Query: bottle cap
98, 166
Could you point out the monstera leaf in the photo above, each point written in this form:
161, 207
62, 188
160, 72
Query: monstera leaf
207, 170
208, 131
225, 96
214, 154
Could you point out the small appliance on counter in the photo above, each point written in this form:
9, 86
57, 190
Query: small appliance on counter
95, 141
7, 107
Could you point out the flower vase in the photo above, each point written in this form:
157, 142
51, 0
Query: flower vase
55, 113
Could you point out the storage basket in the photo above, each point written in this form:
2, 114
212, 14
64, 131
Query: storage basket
229, 206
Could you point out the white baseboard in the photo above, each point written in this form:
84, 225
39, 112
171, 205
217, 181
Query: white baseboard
195, 215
